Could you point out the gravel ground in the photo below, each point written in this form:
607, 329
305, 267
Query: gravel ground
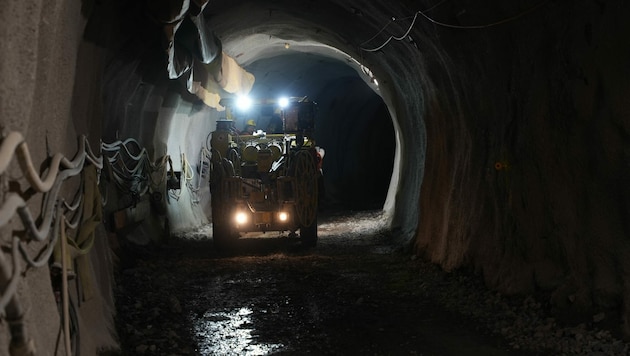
352, 294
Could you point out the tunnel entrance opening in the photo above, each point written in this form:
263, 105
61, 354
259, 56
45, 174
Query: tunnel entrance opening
353, 124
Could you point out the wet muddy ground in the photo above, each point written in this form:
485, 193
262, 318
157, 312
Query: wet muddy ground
353, 294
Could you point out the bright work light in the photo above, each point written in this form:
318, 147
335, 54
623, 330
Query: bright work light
283, 102
243, 102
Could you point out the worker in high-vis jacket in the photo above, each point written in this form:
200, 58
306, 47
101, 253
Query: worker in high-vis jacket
250, 127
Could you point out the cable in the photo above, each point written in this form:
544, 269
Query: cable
422, 13
137, 179
58, 169
37, 233
64, 287
394, 37
523, 13
188, 174
14, 143
187, 169
204, 164
404, 18
12, 279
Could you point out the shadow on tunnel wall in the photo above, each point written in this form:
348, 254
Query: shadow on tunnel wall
356, 130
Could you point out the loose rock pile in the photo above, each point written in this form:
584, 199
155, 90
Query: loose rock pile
525, 322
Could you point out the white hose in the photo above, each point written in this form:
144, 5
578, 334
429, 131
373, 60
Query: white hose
9, 144
11, 204
11, 288
58, 170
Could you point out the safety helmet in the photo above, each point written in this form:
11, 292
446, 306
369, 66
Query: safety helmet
251, 123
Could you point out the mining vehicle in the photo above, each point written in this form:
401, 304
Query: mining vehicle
266, 182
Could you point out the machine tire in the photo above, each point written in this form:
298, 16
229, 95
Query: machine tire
222, 236
305, 174
308, 234
306, 196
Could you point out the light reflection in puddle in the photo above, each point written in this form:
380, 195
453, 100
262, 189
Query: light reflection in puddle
229, 333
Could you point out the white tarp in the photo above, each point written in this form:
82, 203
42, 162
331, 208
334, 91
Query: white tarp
194, 53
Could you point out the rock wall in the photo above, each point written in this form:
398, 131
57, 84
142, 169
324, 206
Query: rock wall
527, 137
38, 99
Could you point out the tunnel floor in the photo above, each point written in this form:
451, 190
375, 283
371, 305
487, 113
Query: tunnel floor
352, 294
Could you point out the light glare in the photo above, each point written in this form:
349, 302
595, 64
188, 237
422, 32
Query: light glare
283, 216
283, 102
241, 218
243, 102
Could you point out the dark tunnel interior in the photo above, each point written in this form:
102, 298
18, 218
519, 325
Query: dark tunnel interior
483, 137
353, 124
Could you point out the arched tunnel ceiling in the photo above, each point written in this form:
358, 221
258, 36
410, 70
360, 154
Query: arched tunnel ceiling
290, 55
296, 74
333, 31
354, 125
352, 116
254, 32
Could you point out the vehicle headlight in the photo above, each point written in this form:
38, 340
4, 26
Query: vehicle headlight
240, 218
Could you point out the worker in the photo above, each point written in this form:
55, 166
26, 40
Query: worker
250, 127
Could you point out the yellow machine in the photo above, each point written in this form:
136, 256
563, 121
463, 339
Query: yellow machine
266, 182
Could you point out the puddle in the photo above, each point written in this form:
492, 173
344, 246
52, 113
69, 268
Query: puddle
229, 333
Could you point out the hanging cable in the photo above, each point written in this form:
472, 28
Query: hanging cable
404, 18
204, 166
188, 175
422, 13
37, 228
187, 169
64, 288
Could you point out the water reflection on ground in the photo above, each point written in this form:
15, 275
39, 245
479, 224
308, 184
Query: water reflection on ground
229, 333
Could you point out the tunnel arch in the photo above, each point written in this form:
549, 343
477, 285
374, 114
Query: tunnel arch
522, 127
166, 103
401, 81
351, 109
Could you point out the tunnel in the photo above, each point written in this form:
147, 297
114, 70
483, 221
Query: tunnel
491, 136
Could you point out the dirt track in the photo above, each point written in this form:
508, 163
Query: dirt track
352, 294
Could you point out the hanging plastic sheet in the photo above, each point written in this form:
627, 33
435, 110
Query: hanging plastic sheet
194, 52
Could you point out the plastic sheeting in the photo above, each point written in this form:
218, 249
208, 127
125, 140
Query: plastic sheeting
194, 53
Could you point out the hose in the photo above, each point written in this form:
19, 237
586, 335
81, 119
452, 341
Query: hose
15, 142
58, 170
64, 287
138, 179
204, 165
49, 201
20, 344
